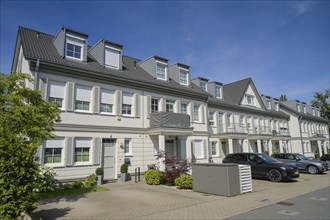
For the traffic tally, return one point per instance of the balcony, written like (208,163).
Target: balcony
(235,128)
(169,120)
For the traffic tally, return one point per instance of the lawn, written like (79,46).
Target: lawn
(68,192)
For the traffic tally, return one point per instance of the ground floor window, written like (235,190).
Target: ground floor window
(214,147)
(127,147)
(82,150)
(53,151)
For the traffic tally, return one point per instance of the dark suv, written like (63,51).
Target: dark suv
(263,166)
(326,158)
(303,163)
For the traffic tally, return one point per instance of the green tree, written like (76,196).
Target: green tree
(26,120)
(322,101)
(283,98)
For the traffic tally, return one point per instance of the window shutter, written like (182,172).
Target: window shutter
(96,150)
(148,107)
(216,119)
(205,150)
(202,113)
(137,105)
(96,99)
(190,111)
(43,87)
(69,96)
(118,102)
(69,151)
(162,104)
(40,154)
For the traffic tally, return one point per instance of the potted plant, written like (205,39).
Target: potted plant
(99,173)
(123,171)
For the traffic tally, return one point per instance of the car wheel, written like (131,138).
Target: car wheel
(274,175)
(313,169)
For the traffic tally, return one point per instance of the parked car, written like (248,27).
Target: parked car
(263,166)
(326,158)
(303,163)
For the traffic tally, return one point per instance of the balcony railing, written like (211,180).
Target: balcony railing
(169,120)
(256,130)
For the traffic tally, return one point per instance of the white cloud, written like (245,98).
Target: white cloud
(302,6)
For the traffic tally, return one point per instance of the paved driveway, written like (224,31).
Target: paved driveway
(140,201)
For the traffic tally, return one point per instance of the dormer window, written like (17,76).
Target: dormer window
(74,47)
(313,109)
(218,92)
(112,57)
(203,86)
(276,106)
(269,104)
(304,108)
(161,71)
(183,77)
(249,100)
(298,108)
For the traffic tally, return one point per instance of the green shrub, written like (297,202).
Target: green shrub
(46,179)
(90,181)
(184,182)
(154,177)
(99,171)
(124,168)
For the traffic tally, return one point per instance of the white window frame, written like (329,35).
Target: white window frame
(112,49)
(298,108)
(107,103)
(196,113)
(183,107)
(277,106)
(304,108)
(88,145)
(216,148)
(183,76)
(218,92)
(58,96)
(158,75)
(127,106)
(154,105)
(269,104)
(169,106)
(201,150)
(49,145)
(211,118)
(203,85)
(83,102)
(129,141)
(248,99)
(76,41)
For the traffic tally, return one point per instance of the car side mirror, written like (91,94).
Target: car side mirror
(297,159)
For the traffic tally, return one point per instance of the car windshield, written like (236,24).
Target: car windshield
(266,158)
(302,157)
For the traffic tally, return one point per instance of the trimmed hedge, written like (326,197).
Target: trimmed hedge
(184,182)
(154,177)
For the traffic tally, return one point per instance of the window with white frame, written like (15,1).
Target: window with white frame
(249,100)
(220,121)
(127,147)
(161,71)
(313,110)
(269,104)
(112,57)
(53,151)
(228,120)
(56,92)
(107,101)
(304,108)
(198,149)
(74,47)
(318,113)
(203,85)
(298,108)
(241,121)
(214,148)
(83,97)
(218,92)
(249,122)
(183,77)
(127,103)
(277,108)
(183,108)
(82,150)
(154,105)
(169,106)
(196,112)
(211,118)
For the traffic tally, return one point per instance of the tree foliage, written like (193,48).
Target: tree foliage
(283,98)
(26,120)
(322,101)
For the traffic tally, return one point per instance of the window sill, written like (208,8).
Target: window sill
(107,114)
(54,165)
(128,116)
(77,164)
(128,155)
(83,112)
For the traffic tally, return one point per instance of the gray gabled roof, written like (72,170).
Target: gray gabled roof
(38,46)
(233,92)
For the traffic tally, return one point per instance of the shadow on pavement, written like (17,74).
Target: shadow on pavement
(51,213)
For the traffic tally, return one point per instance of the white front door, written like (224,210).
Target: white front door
(109,162)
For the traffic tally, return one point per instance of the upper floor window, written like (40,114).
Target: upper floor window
(318,113)
(196,112)
(269,104)
(183,108)
(154,105)
(56,92)
(313,110)
(127,104)
(298,108)
(304,108)
(277,108)
(203,86)
(211,118)
(112,57)
(74,47)
(161,71)
(218,92)
(249,99)
(107,101)
(127,147)
(169,106)
(183,77)
(83,97)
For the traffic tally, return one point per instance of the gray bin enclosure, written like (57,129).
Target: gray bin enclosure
(218,179)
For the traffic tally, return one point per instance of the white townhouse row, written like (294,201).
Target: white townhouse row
(117,109)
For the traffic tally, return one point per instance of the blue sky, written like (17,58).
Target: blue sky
(282,45)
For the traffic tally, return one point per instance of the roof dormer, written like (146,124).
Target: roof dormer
(201,82)
(108,54)
(71,44)
(156,66)
(180,73)
(215,89)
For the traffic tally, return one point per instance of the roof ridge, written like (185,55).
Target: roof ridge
(21,27)
(249,78)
